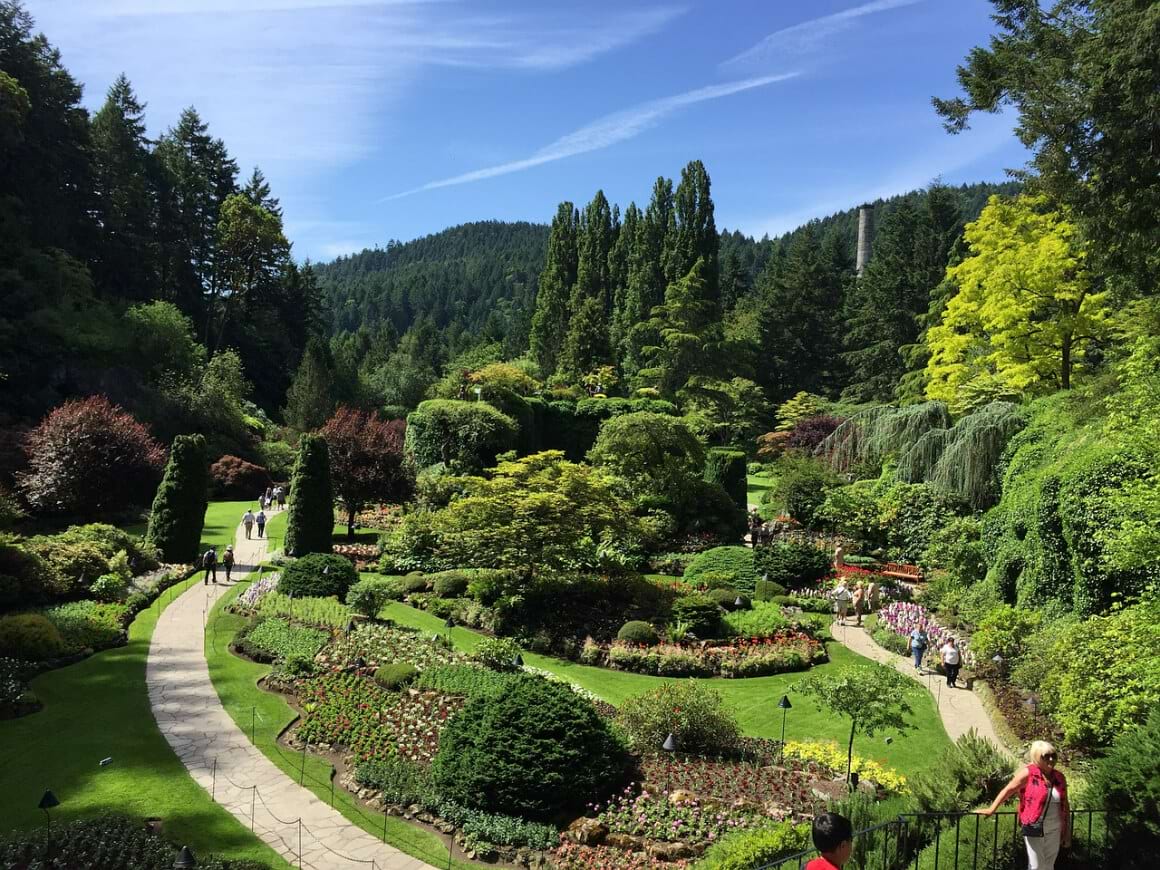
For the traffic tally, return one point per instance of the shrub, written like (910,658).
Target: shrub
(735,562)
(1004,631)
(395,676)
(487,585)
(767,590)
(71,566)
(699,612)
(233,478)
(399,780)
(801,486)
(969,773)
(178,514)
(1126,783)
(791,565)
(744,850)
(809,432)
(764,620)
(715,580)
(89,625)
(636,631)
(310,525)
(108,587)
(533,749)
(673,564)
(727,469)
(497,653)
(89,457)
(367,597)
(729,598)
(278,458)
(29,636)
(463,436)
(694,714)
(318,575)
(450,584)
(416,582)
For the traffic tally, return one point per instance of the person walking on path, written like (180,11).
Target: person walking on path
(841,597)
(228,561)
(919,641)
(261,520)
(1043,809)
(872,597)
(280,494)
(209,562)
(952,660)
(248,522)
(859,603)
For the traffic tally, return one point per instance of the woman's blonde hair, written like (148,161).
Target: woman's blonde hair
(1038,749)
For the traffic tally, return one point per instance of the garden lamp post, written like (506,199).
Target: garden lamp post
(738,602)
(518,661)
(349,626)
(449,624)
(785,706)
(479,394)
(670,744)
(47,802)
(998,660)
(185,859)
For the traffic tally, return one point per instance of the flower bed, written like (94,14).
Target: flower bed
(789,650)
(345,709)
(360,555)
(381,518)
(251,596)
(283,641)
(902,618)
(780,791)
(380,645)
(833,759)
(669,818)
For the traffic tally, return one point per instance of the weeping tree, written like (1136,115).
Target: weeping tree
(872,435)
(973,450)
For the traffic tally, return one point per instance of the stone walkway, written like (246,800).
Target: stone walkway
(303,829)
(960,709)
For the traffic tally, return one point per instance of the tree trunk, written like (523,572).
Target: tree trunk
(350,524)
(1065,363)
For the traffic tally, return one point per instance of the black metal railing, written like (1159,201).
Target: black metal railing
(959,841)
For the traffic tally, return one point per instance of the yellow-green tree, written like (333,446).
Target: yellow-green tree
(1025,312)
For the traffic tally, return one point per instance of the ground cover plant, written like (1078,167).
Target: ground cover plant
(782,651)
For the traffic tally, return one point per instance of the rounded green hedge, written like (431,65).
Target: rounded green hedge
(532,749)
(734,562)
(450,584)
(791,565)
(700,613)
(638,631)
(728,599)
(317,576)
(370,595)
(464,436)
(396,675)
(29,636)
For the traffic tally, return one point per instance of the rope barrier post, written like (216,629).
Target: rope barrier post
(302,772)
(300,843)
(451,849)
(253,804)
(385,814)
(213,782)
(333,773)
(253,725)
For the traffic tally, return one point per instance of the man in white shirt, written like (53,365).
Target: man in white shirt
(841,596)
(952,660)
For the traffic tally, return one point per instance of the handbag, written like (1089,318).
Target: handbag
(1035,829)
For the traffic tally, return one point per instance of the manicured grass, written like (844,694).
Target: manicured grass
(362,535)
(756,486)
(221,524)
(753,700)
(99,708)
(264,715)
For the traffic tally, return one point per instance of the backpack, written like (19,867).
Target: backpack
(209,558)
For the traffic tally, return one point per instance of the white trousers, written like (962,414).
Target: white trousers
(1042,851)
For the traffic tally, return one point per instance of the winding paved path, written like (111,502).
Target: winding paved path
(960,709)
(220,757)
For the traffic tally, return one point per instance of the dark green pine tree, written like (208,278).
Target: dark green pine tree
(908,262)
(694,236)
(310,399)
(586,344)
(257,191)
(550,318)
(689,335)
(310,524)
(178,514)
(799,328)
(619,271)
(646,276)
(126,264)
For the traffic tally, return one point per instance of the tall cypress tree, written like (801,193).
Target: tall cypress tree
(587,342)
(694,235)
(310,399)
(646,275)
(621,260)
(178,514)
(550,320)
(310,524)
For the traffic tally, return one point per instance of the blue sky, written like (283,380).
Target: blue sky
(383,119)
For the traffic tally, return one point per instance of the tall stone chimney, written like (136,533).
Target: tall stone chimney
(863,256)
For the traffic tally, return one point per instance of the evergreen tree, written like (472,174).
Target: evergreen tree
(586,344)
(689,336)
(126,262)
(550,320)
(310,524)
(646,275)
(621,266)
(178,514)
(694,234)
(257,191)
(310,399)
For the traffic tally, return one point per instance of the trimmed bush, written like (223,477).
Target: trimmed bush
(395,676)
(29,636)
(728,598)
(178,514)
(463,436)
(367,597)
(744,850)
(318,575)
(700,613)
(310,525)
(450,584)
(234,478)
(767,590)
(694,714)
(497,653)
(727,469)
(1126,783)
(533,749)
(733,562)
(791,565)
(88,624)
(108,588)
(88,457)
(637,631)
(413,583)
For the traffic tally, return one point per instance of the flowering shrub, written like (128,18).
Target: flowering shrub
(786,650)
(657,818)
(251,596)
(833,758)
(383,644)
(902,618)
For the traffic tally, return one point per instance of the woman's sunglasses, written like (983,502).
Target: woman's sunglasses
(1049,756)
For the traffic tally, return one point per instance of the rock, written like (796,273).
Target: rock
(680,797)
(868,786)
(776,811)
(424,817)
(830,791)
(746,805)
(624,842)
(445,827)
(588,832)
(670,851)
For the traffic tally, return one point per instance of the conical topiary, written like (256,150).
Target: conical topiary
(310,524)
(178,513)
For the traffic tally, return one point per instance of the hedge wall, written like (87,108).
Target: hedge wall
(464,436)
(727,468)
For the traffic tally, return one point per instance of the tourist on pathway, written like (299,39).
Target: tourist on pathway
(859,603)
(209,562)
(872,597)
(228,561)
(261,520)
(841,597)
(919,641)
(952,660)
(248,522)
(280,493)
(833,836)
(1043,809)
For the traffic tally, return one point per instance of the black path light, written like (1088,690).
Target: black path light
(518,661)
(47,802)
(670,744)
(185,859)
(738,602)
(785,706)
(449,624)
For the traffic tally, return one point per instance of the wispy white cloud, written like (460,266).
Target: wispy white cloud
(603,132)
(808,36)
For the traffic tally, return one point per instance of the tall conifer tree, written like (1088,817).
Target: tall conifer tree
(694,235)
(550,320)
(178,514)
(587,342)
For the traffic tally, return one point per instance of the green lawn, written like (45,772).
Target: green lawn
(221,524)
(96,709)
(264,716)
(756,486)
(753,700)
(362,535)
